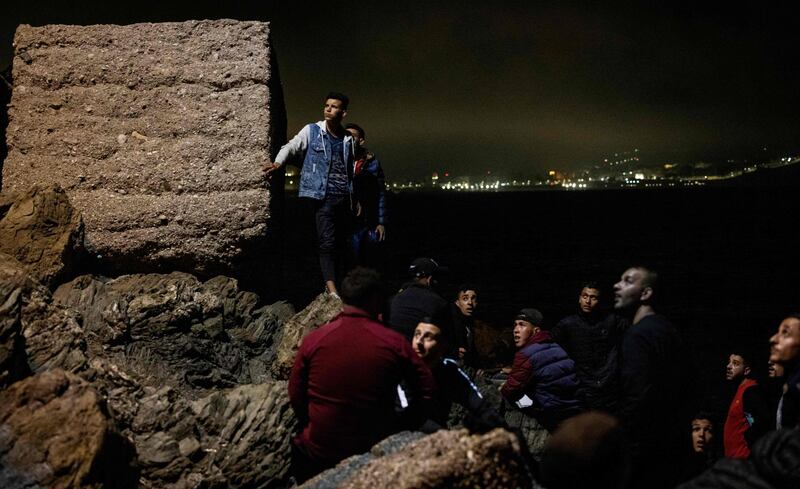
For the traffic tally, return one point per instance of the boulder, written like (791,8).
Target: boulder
(42,230)
(55,432)
(248,431)
(322,310)
(444,459)
(176,330)
(35,334)
(157,132)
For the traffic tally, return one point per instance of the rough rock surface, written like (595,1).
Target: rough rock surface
(157,132)
(55,432)
(42,230)
(444,459)
(324,308)
(175,330)
(35,334)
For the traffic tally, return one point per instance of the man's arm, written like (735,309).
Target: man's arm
(298,387)
(560,334)
(757,414)
(291,152)
(421,387)
(518,379)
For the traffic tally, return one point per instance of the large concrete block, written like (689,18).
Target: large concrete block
(156,131)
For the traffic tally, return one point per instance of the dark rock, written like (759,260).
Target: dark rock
(322,310)
(56,433)
(333,478)
(174,330)
(35,334)
(444,459)
(251,426)
(42,231)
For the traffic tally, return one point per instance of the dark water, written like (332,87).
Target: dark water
(727,257)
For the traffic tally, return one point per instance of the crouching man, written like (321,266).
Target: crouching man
(542,380)
(453,384)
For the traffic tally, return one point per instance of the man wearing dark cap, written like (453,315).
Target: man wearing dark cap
(418,300)
(542,373)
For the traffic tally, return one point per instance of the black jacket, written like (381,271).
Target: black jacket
(415,302)
(592,342)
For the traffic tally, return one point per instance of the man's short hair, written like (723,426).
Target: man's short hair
(747,354)
(590,284)
(465,287)
(344,99)
(357,128)
(361,286)
(649,277)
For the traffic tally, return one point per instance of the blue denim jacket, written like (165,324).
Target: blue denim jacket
(314,145)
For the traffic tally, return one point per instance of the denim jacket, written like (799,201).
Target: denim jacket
(313,144)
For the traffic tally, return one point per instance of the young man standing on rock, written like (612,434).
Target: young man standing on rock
(343,384)
(654,373)
(325,152)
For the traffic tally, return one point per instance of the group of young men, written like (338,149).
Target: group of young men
(374,370)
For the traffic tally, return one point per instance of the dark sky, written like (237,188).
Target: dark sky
(516,87)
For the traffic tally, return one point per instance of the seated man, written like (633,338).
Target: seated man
(463,310)
(703,453)
(542,375)
(419,299)
(453,385)
(344,380)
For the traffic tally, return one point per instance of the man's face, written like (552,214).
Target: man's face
(702,435)
(737,368)
(333,111)
(523,330)
(775,370)
(467,302)
(628,291)
(426,342)
(356,136)
(589,300)
(785,344)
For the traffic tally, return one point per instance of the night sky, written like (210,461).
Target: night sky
(518,87)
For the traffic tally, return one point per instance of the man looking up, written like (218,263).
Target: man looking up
(591,339)
(653,380)
(453,385)
(542,371)
(748,415)
(785,351)
(324,151)
(463,310)
(369,195)
(343,384)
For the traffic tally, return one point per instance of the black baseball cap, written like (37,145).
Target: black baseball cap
(531,315)
(424,267)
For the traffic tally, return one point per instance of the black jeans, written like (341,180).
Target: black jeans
(333,216)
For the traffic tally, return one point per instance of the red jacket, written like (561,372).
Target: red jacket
(344,382)
(737,424)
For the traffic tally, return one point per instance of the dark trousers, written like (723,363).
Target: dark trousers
(332,215)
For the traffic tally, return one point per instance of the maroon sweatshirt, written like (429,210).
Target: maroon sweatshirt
(343,385)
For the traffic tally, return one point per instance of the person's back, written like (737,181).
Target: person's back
(353,366)
(418,300)
(344,380)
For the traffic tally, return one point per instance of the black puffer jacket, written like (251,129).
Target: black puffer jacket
(774,464)
(592,341)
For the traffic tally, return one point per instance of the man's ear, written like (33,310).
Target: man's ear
(747,370)
(647,294)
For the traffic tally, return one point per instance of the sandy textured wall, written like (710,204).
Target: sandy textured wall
(156,131)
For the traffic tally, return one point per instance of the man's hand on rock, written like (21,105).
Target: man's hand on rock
(270,167)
